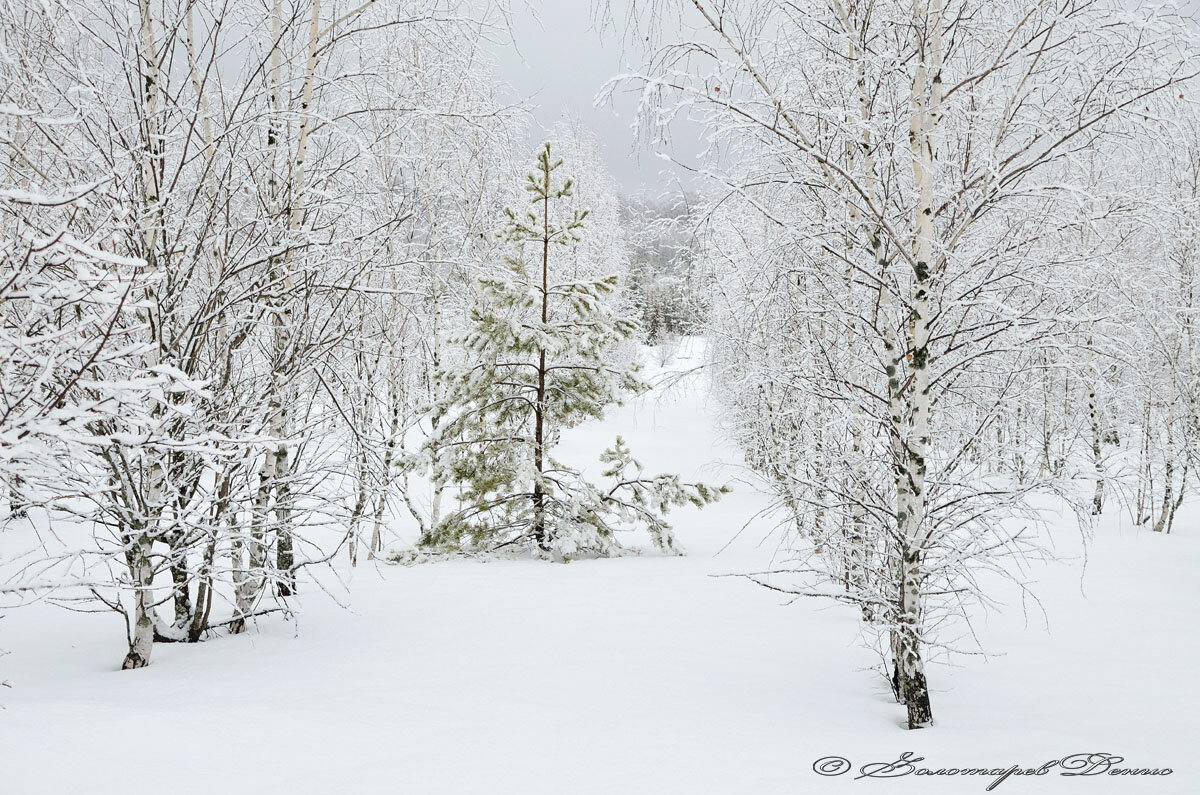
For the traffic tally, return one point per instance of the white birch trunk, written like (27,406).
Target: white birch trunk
(925,112)
(139,536)
(1094,422)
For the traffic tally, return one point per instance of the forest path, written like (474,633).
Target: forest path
(643,674)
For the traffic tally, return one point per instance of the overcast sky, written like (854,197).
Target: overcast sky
(562,63)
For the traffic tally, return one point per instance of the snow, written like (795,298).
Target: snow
(643,674)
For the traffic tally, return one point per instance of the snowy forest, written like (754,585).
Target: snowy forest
(361,431)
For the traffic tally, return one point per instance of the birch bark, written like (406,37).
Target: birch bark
(139,535)
(924,115)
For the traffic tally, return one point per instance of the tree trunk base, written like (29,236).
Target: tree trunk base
(916,700)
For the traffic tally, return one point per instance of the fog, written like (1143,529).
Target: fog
(561,60)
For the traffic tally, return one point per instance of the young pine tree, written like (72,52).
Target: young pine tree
(538,360)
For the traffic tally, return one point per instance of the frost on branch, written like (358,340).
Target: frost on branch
(635,499)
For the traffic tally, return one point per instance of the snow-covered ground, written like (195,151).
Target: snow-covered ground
(644,674)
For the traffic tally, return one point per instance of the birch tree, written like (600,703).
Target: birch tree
(903,160)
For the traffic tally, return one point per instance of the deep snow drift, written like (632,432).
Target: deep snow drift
(636,675)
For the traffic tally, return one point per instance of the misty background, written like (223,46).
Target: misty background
(559,59)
